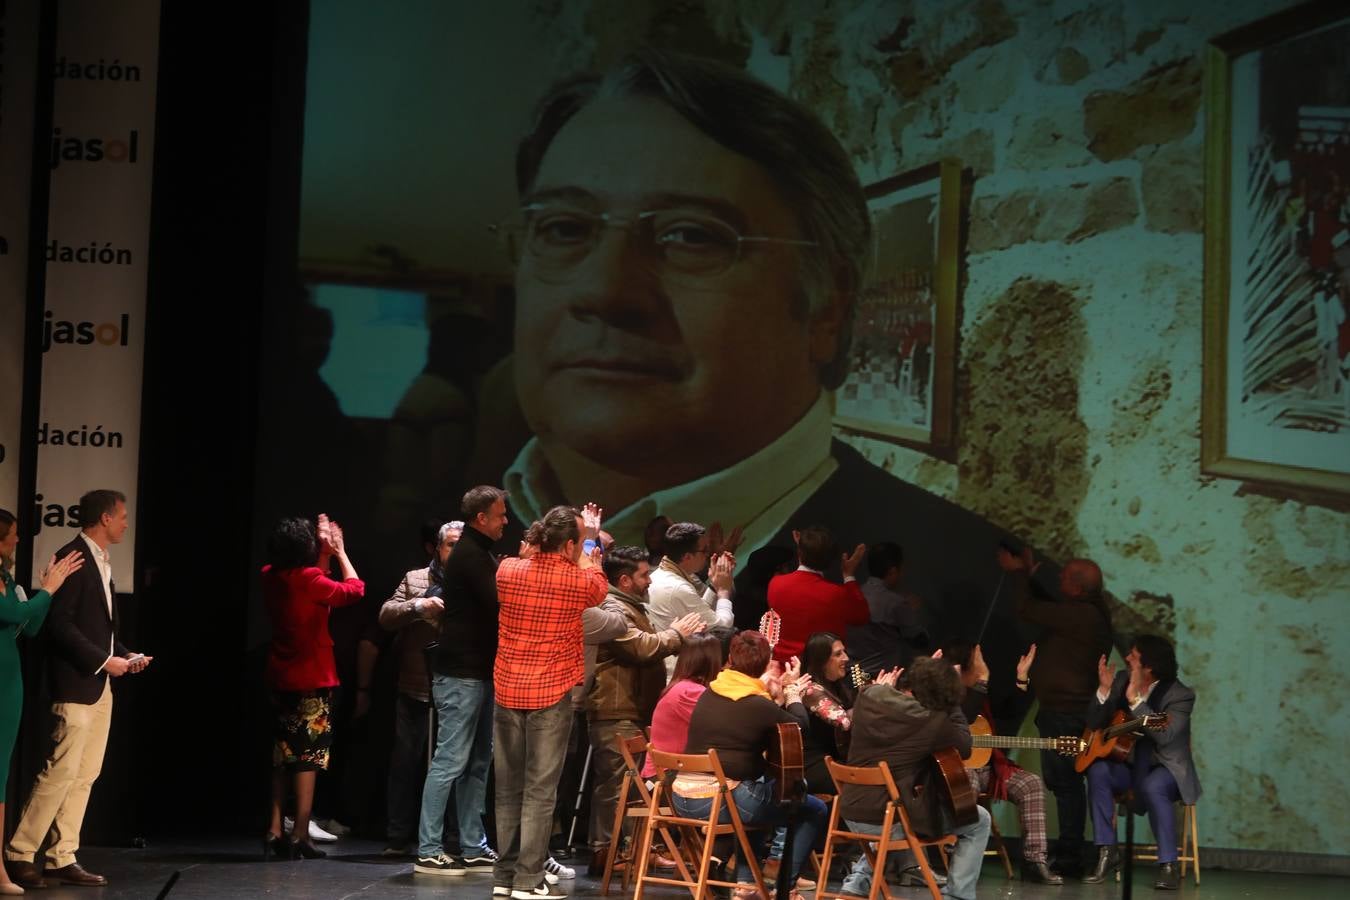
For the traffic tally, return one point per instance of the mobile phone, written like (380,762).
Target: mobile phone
(588,546)
(135,657)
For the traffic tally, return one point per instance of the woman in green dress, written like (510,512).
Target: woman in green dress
(19,613)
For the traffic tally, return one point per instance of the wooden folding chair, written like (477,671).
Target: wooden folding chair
(1187,853)
(630,748)
(707,830)
(875,776)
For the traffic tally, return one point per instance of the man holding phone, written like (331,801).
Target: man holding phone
(82,625)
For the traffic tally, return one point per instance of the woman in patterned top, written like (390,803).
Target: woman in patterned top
(829,699)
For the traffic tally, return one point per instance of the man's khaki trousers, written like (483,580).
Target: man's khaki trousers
(55,808)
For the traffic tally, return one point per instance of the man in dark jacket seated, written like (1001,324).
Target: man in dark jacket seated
(903,728)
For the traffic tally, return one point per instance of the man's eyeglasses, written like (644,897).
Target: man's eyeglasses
(688,245)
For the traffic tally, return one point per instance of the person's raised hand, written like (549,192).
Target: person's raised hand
(1024,663)
(1106,675)
(590,518)
(733,540)
(688,625)
(890,677)
(721,572)
(335,538)
(977,664)
(793,670)
(851,561)
(58,571)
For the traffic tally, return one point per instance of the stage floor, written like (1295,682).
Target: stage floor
(233,868)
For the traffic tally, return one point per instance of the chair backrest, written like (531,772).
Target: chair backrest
(864,776)
(691,763)
(630,747)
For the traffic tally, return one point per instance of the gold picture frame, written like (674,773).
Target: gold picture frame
(901,381)
(1276,386)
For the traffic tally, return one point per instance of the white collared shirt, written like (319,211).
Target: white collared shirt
(759,493)
(104,563)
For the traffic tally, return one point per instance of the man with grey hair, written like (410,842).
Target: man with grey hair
(415,618)
(688,251)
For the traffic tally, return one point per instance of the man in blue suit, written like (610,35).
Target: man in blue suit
(1160,769)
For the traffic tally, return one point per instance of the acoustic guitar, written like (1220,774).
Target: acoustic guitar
(787,763)
(1116,740)
(983,740)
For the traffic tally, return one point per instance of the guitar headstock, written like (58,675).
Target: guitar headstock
(858,676)
(771,626)
(1155,722)
(1069,745)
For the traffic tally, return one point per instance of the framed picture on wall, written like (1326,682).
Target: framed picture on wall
(1277,252)
(901,379)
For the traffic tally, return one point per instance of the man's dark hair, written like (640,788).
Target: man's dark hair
(293,544)
(806,162)
(7,521)
(883,557)
(621,561)
(559,526)
(534,535)
(724,634)
(1157,654)
(816,547)
(682,539)
(934,683)
(654,535)
(749,653)
(95,504)
(431,530)
(479,500)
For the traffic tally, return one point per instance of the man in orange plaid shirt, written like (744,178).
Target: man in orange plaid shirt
(539,659)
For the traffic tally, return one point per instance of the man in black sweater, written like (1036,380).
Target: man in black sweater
(461,690)
(1075,633)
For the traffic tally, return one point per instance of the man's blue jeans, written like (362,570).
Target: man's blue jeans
(754,801)
(461,759)
(963,865)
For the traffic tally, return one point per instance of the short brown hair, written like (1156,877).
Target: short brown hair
(479,500)
(749,653)
(816,547)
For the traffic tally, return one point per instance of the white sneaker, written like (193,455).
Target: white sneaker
(501,890)
(315,832)
(554,870)
(545,891)
(440,864)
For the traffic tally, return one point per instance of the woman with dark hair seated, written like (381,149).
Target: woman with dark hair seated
(829,698)
(738,716)
(301,672)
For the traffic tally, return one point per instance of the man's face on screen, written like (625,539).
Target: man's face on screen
(638,344)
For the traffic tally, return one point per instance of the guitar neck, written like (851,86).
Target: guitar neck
(1013,743)
(1124,727)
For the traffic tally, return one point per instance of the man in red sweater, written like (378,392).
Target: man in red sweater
(807,602)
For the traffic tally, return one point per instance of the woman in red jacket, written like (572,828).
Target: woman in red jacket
(301,671)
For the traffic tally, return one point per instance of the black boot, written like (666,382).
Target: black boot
(1039,873)
(1108,861)
(1168,879)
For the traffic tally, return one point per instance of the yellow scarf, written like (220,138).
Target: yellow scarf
(737,685)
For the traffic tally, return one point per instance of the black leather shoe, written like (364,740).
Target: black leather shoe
(1108,862)
(1168,878)
(1039,873)
(306,850)
(275,847)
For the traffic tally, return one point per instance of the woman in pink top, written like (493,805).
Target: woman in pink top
(699,662)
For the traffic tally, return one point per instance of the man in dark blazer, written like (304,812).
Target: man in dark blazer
(1160,769)
(85,652)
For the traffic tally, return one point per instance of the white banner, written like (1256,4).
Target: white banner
(98,236)
(18,80)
